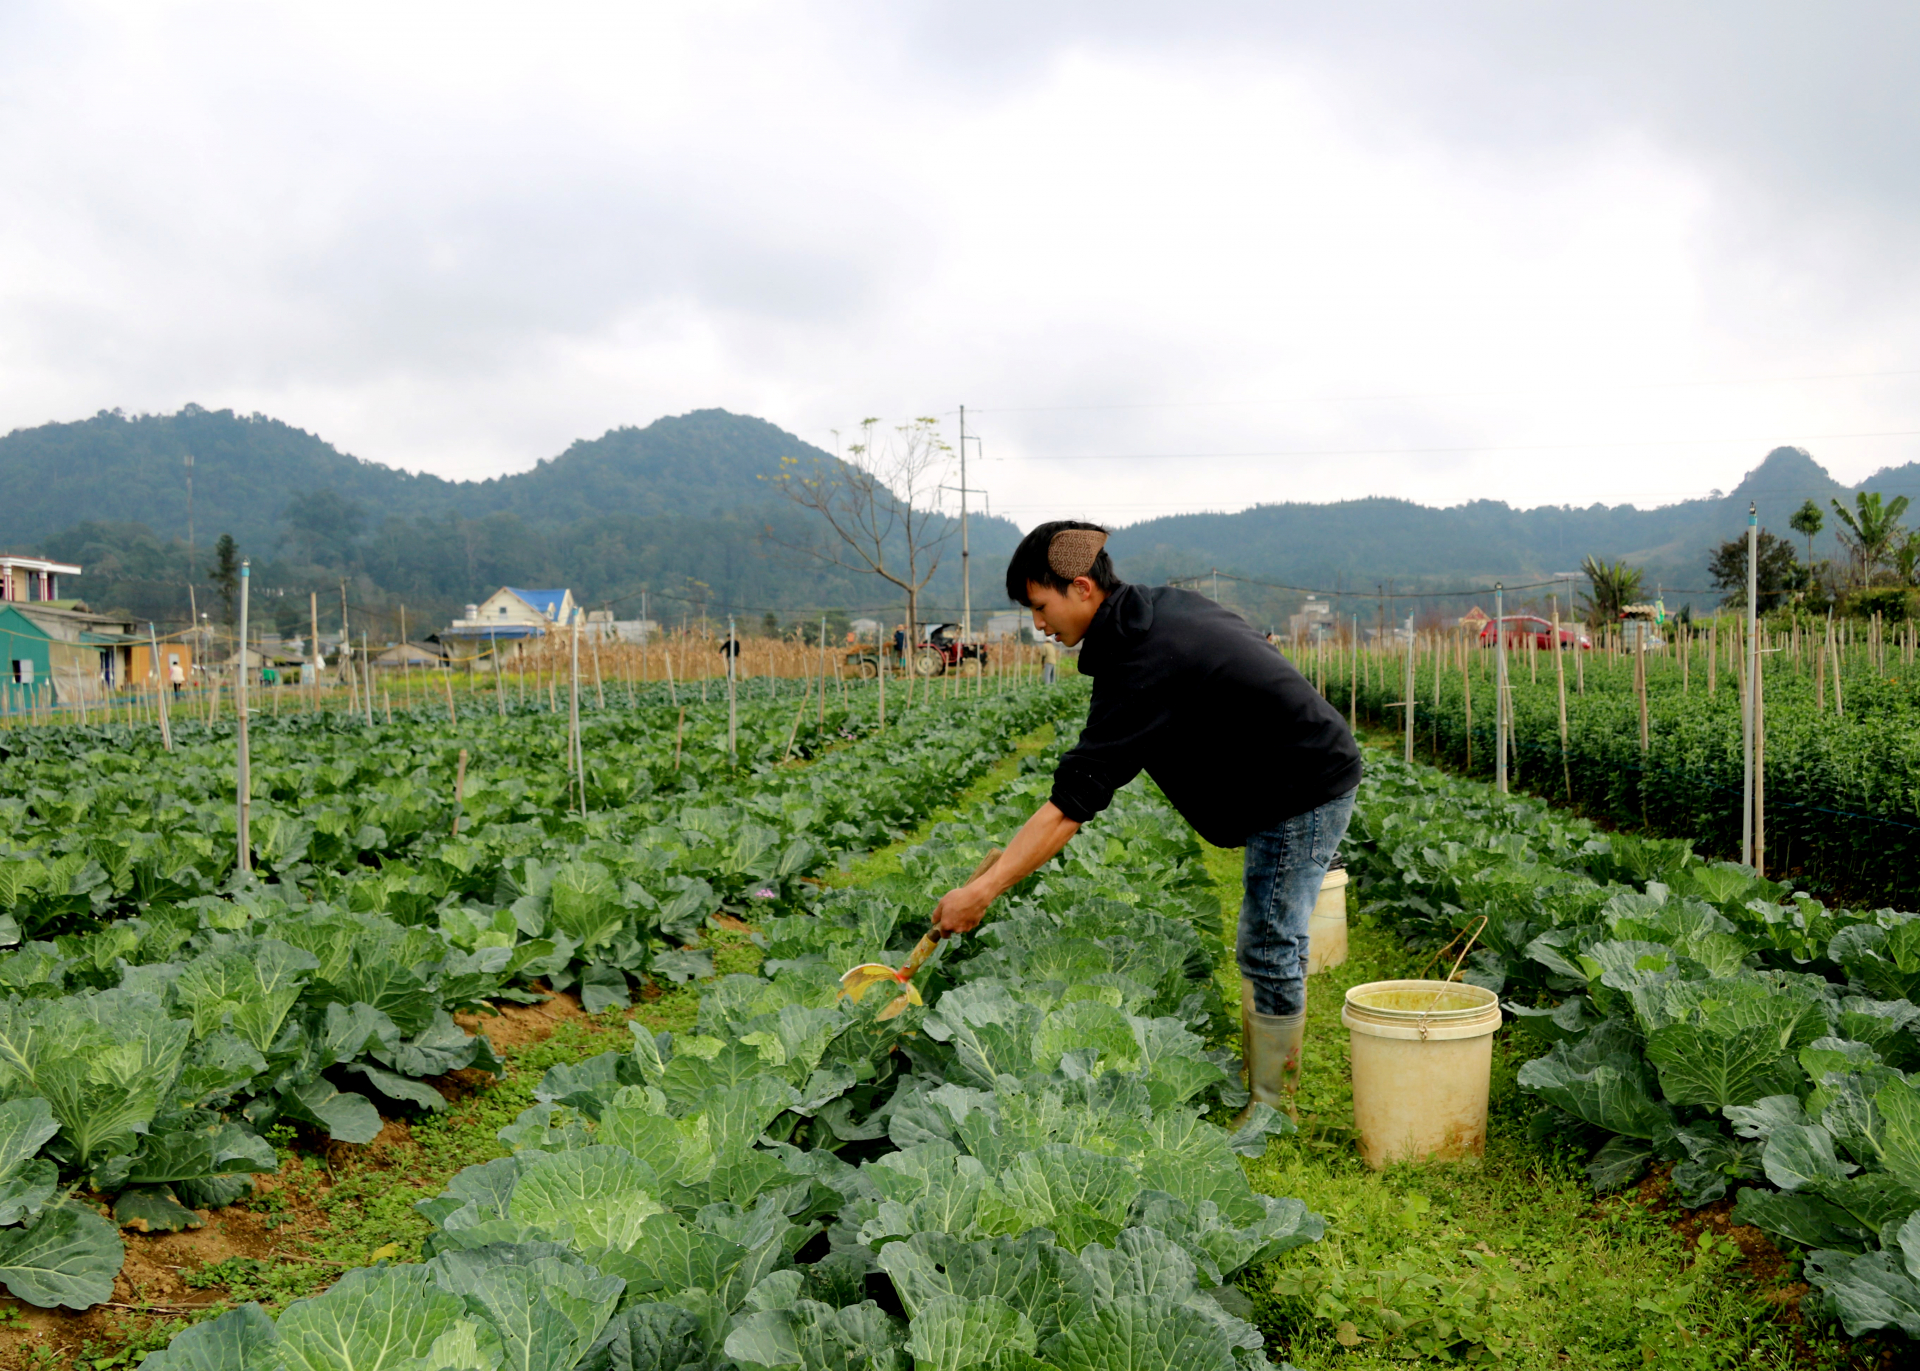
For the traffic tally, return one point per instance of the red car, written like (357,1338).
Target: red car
(1520,627)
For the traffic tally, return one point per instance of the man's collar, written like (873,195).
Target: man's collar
(1124,614)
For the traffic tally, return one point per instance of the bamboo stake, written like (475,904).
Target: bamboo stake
(576,757)
(1560,685)
(599,695)
(1409,700)
(1466,701)
(1834,655)
(673,693)
(1759,766)
(1640,685)
(1353,683)
(1437,673)
(446,679)
(793,734)
(459,790)
(243,779)
(678,729)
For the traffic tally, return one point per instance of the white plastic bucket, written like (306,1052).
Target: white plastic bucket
(1422,1059)
(1327,928)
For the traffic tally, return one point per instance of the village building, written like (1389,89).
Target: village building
(507,621)
(32,579)
(410,657)
(1314,622)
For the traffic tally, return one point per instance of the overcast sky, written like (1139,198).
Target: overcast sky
(1170,257)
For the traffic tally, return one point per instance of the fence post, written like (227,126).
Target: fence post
(1501,707)
(243,781)
(1752,660)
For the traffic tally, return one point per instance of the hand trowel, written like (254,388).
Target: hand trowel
(857,982)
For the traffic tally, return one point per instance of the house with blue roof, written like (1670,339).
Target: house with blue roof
(506,622)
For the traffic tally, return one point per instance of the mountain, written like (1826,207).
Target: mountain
(677,509)
(1369,548)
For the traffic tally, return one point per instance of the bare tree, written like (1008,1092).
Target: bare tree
(879,502)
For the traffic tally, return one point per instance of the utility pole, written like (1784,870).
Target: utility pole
(192,569)
(966,581)
(966,555)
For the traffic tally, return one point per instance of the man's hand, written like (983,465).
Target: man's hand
(960,910)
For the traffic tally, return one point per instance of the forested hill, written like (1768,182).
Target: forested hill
(1361,546)
(249,470)
(677,509)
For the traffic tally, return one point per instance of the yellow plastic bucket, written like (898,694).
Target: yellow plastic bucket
(1327,927)
(1422,1059)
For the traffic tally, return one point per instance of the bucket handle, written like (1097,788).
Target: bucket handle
(1454,971)
(1422,974)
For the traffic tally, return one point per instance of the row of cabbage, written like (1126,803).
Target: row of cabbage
(101,822)
(1688,1012)
(145,1058)
(1841,790)
(1030,1170)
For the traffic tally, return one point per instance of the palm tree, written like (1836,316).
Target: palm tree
(1870,530)
(1615,586)
(1807,521)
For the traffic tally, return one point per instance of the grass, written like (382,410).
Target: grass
(885,861)
(1506,1260)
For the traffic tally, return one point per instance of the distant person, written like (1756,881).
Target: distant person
(1049,659)
(177,676)
(900,641)
(730,649)
(1242,745)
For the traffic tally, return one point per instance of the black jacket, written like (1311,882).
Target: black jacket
(1189,692)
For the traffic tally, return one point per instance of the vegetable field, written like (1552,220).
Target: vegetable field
(728,1166)
(1841,740)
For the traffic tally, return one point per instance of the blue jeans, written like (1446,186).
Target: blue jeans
(1285,866)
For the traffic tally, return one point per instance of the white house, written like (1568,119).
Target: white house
(508,619)
(32,578)
(1314,622)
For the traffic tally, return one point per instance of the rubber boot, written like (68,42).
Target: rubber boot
(1271,1044)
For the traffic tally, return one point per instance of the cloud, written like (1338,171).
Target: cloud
(1171,258)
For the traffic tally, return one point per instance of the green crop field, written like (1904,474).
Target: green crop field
(248,1121)
(1842,766)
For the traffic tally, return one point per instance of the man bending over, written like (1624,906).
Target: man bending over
(1248,752)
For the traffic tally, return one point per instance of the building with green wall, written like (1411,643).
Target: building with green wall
(26,662)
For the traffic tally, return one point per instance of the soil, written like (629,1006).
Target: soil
(516,1025)
(152,1282)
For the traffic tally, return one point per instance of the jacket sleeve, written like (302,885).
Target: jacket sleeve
(1112,750)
